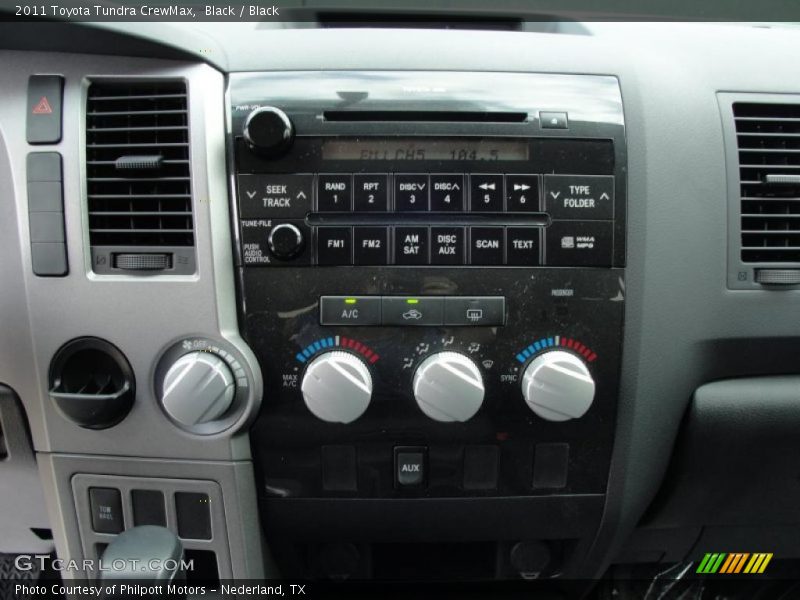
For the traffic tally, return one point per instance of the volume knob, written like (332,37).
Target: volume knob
(448,387)
(268,131)
(337,387)
(199,387)
(557,386)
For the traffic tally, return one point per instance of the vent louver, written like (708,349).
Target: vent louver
(768,137)
(137,168)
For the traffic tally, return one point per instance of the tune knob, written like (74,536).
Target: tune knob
(268,131)
(337,387)
(285,240)
(448,387)
(199,387)
(557,386)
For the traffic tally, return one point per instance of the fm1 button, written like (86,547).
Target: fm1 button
(583,197)
(334,246)
(409,467)
(350,310)
(447,245)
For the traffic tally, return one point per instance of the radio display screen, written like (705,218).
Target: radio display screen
(420,148)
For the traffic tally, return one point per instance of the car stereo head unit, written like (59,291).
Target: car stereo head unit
(431,273)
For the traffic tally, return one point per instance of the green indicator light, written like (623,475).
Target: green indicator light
(350,300)
(412,301)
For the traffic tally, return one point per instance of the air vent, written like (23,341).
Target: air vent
(138,174)
(768,137)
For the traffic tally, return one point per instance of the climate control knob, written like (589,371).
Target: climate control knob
(199,387)
(337,387)
(448,387)
(557,386)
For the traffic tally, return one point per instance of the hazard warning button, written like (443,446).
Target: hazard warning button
(44,109)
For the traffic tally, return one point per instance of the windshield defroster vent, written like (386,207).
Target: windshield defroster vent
(138,177)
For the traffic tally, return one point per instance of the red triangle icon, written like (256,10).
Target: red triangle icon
(43,107)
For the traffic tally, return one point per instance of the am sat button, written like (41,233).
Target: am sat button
(476,311)
(412,310)
(350,310)
(584,197)
(579,243)
(411,245)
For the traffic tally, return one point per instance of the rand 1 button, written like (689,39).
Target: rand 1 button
(583,197)
(486,245)
(475,311)
(447,193)
(370,193)
(275,196)
(447,245)
(350,310)
(522,193)
(411,192)
(486,193)
(334,193)
(370,245)
(579,243)
(523,245)
(412,310)
(411,245)
(334,246)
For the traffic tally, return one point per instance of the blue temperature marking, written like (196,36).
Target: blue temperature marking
(316,346)
(520,358)
(331,343)
(550,342)
(307,352)
(300,357)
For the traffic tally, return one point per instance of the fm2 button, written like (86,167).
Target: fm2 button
(409,467)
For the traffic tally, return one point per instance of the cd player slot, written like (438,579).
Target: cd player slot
(430,116)
(527,220)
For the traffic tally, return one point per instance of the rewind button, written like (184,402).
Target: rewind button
(486,193)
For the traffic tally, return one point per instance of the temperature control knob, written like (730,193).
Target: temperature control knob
(268,131)
(199,387)
(448,387)
(337,387)
(557,386)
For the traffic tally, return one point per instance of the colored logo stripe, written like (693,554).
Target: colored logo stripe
(711,562)
(721,562)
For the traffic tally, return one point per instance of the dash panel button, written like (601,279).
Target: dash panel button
(413,311)
(489,311)
(350,310)
(44,109)
(106,507)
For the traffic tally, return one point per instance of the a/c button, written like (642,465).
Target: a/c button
(350,310)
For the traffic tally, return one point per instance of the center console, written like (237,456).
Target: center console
(431,274)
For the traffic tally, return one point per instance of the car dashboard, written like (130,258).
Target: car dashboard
(391,303)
